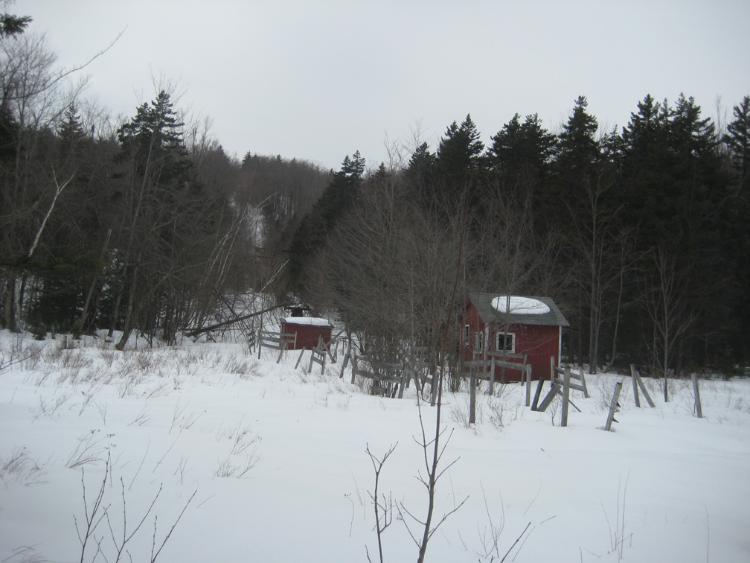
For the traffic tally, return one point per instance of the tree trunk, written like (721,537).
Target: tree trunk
(11,312)
(617,320)
(80,326)
(127,328)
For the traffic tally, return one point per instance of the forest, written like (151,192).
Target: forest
(145,225)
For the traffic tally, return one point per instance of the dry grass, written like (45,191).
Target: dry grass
(21,467)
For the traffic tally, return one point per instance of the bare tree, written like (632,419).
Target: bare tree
(596,238)
(433,447)
(382,505)
(665,300)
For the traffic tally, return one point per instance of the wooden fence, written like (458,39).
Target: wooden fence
(563,381)
(281,341)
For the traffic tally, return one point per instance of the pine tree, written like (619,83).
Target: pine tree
(70,132)
(168,219)
(420,176)
(578,147)
(335,201)
(737,251)
(737,139)
(11,25)
(459,150)
(154,137)
(521,152)
(459,164)
(647,160)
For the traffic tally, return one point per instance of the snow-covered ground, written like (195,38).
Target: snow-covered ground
(278,461)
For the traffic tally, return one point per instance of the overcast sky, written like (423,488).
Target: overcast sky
(317,80)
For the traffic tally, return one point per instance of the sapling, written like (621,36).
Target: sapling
(382,505)
(433,451)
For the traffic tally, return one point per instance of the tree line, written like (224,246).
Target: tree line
(145,224)
(640,234)
(141,225)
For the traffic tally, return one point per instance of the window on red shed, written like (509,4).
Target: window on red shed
(505,342)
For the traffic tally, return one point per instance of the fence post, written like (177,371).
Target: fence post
(343,364)
(527,373)
(537,394)
(472,396)
(299,358)
(613,406)
(492,375)
(554,390)
(551,368)
(642,386)
(697,393)
(635,386)
(566,398)
(585,387)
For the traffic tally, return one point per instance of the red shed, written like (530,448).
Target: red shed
(308,330)
(513,324)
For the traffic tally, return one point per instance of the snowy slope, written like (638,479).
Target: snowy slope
(277,459)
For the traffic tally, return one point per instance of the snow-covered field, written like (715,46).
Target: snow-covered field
(278,461)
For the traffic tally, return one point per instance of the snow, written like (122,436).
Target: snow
(519,305)
(277,458)
(309,321)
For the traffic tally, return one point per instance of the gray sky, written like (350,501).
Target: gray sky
(317,80)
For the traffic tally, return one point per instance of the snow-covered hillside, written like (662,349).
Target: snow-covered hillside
(277,461)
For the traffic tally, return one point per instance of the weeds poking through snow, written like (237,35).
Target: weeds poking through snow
(181,467)
(183,420)
(617,535)
(140,420)
(24,554)
(460,415)
(497,412)
(88,396)
(235,365)
(242,456)
(107,356)
(489,535)
(22,468)
(88,450)
(97,512)
(49,408)
(52,355)
(144,360)
(229,468)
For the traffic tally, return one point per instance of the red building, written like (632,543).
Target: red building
(513,325)
(308,330)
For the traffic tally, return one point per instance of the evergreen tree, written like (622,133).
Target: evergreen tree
(154,138)
(169,221)
(335,201)
(737,240)
(578,147)
(420,176)
(11,25)
(737,139)
(647,159)
(70,132)
(459,165)
(521,152)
